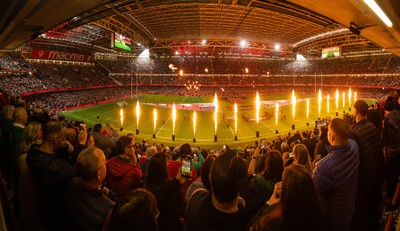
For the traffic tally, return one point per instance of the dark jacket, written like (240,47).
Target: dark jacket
(335,178)
(391,133)
(371,162)
(51,175)
(87,207)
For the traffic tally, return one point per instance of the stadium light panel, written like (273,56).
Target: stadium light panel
(379,12)
(204,42)
(145,54)
(243,43)
(277,47)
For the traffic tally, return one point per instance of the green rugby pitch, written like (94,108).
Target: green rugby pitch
(246,132)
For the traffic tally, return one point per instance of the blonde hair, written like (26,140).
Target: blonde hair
(29,136)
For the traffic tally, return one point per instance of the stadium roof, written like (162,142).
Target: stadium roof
(298,26)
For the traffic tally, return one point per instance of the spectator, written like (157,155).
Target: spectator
(123,171)
(135,211)
(203,181)
(335,176)
(150,151)
(223,205)
(294,204)
(51,174)
(175,165)
(264,182)
(368,195)
(391,137)
(167,192)
(86,200)
(104,140)
(301,157)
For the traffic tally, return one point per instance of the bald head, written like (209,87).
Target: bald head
(20,116)
(89,162)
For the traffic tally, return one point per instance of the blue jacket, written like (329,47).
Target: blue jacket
(336,178)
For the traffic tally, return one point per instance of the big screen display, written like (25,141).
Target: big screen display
(331,52)
(120,41)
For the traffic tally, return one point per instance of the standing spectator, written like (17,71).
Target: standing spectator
(301,157)
(222,208)
(167,192)
(85,199)
(135,211)
(391,137)
(103,139)
(150,151)
(294,204)
(335,176)
(7,149)
(51,174)
(175,165)
(123,171)
(368,195)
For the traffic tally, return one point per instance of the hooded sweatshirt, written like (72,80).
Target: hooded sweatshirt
(122,176)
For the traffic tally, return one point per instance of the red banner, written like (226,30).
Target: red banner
(61,55)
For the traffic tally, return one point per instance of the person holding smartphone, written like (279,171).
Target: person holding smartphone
(175,165)
(167,191)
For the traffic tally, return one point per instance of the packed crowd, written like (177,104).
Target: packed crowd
(67,176)
(15,62)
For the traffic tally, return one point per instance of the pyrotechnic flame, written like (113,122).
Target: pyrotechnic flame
(308,107)
(173,118)
(276,113)
(137,113)
(121,117)
(257,107)
(194,123)
(337,99)
(215,113)
(319,101)
(235,110)
(155,119)
(350,95)
(293,103)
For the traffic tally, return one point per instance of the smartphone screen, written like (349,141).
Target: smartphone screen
(262,143)
(185,167)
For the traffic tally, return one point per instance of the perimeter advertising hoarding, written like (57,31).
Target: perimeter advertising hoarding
(121,42)
(61,55)
(331,52)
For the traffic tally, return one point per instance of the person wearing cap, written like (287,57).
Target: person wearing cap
(366,213)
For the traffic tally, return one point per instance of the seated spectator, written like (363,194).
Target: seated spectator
(123,171)
(220,209)
(51,174)
(135,211)
(167,192)
(85,199)
(104,140)
(294,204)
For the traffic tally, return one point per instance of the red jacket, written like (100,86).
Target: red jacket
(173,168)
(122,176)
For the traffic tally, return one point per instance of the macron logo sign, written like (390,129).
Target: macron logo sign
(60,55)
